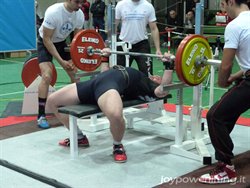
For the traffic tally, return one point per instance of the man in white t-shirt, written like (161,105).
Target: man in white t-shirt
(134,16)
(222,116)
(59,21)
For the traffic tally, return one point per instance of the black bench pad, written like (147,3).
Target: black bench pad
(81,110)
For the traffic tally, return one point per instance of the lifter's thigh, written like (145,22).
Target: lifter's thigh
(64,96)
(111,104)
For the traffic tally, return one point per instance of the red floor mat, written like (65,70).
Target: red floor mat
(169,107)
(12,120)
(186,110)
(15,120)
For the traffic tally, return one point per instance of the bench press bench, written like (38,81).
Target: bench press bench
(86,110)
(181,146)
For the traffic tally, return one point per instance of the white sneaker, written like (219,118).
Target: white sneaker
(223,173)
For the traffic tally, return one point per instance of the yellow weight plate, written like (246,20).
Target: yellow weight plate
(190,48)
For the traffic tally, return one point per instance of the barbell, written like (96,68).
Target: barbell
(192,60)
(91,51)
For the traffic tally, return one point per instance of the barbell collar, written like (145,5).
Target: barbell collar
(214,62)
(204,61)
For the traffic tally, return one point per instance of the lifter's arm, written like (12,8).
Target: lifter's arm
(167,75)
(166,79)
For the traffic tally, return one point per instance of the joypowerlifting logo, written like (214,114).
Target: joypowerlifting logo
(194,180)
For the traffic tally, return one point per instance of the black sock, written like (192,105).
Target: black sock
(41,106)
(228,162)
(117,145)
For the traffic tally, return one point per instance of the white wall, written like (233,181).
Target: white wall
(43,5)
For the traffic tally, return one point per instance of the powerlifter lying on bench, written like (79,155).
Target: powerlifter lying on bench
(107,90)
(87,110)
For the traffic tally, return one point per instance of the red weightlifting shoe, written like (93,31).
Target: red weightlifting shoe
(82,142)
(119,154)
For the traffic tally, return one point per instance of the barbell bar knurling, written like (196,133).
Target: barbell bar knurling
(200,60)
(91,51)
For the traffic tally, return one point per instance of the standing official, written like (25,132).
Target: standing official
(134,16)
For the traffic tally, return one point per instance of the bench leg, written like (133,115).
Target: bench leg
(73,137)
(130,123)
(183,148)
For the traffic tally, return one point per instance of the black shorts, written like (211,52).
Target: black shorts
(90,91)
(126,85)
(45,56)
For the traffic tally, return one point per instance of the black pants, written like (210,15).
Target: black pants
(98,22)
(144,63)
(222,116)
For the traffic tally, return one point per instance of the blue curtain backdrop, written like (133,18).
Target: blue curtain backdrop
(17,25)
